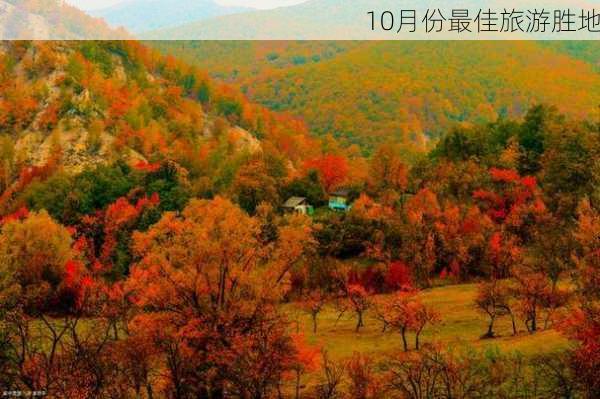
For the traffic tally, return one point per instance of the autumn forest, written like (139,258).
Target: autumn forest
(173,226)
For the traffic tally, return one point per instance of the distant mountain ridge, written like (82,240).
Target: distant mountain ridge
(349,20)
(49,20)
(146,15)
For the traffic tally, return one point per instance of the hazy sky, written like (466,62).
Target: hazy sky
(264,4)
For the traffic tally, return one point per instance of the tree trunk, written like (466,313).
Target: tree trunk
(149,391)
(222,283)
(403,333)
(384,328)
(359,324)
(547,319)
(217,392)
(490,331)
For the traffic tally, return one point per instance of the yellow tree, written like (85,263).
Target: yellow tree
(33,255)
(39,284)
(388,174)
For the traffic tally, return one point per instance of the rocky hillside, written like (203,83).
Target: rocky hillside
(68,106)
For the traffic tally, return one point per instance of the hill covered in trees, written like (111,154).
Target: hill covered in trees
(72,106)
(368,92)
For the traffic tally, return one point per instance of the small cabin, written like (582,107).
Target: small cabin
(298,204)
(338,200)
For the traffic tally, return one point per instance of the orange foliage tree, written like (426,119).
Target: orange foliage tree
(404,312)
(210,286)
(333,170)
(583,323)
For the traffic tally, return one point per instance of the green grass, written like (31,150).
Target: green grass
(461,324)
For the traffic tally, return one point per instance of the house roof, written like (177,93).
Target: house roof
(341,192)
(293,202)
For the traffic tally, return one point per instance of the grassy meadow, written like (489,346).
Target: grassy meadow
(461,325)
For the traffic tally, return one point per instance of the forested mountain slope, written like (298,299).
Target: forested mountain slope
(68,107)
(367,92)
(588,51)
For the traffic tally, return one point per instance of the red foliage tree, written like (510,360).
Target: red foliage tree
(333,170)
(582,324)
(514,198)
(398,277)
